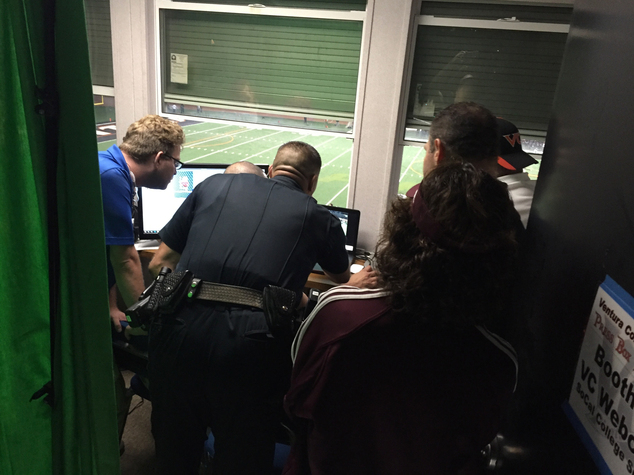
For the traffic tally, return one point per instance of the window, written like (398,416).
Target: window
(100,50)
(249,79)
(505,57)
(320,4)
(99,41)
(288,71)
(105,119)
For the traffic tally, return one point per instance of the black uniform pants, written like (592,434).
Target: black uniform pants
(214,366)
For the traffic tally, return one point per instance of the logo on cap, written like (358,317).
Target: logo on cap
(513,139)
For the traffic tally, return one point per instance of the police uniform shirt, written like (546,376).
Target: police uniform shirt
(251,231)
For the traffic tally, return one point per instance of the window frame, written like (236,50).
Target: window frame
(159,5)
(431,20)
(103,90)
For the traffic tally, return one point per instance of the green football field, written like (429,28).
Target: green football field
(222,143)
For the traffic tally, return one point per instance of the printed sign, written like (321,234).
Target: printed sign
(601,402)
(178,68)
(183,183)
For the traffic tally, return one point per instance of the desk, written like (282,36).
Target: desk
(319,281)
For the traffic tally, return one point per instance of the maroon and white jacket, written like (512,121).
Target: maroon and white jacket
(368,397)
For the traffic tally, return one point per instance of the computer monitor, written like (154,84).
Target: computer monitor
(156,207)
(350,224)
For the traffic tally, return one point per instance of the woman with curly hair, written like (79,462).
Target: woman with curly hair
(406,378)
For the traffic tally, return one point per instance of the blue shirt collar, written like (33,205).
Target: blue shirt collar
(115,154)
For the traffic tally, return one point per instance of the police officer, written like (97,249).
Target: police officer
(216,364)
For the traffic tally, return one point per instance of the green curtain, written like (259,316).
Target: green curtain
(85,427)
(25,428)
(79,434)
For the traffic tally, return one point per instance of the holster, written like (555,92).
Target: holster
(280,307)
(174,288)
(163,296)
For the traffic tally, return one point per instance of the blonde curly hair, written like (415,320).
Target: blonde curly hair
(150,135)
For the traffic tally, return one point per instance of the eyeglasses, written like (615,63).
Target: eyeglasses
(177,163)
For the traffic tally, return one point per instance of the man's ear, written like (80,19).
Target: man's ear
(157,159)
(439,151)
(312,185)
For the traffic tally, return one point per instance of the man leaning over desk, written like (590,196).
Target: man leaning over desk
(214,364)
(148,156)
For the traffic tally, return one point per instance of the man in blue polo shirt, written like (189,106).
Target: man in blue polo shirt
(148,156)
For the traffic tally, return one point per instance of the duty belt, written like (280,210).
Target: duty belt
(225,293)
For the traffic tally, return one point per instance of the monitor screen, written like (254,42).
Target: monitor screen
(156,207)
(349,223)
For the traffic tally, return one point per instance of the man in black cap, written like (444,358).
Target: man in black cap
(511,162)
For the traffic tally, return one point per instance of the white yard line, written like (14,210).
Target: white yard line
(216,138)
(413,160)
(342,190)
(234,146)
(207,130)
(264,151)
(298,138)
(338,156)
(327,141)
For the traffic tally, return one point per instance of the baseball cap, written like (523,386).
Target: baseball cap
(512,157)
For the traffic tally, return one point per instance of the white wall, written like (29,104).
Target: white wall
(379,117)
(133,61)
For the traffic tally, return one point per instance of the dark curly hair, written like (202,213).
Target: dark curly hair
(458,276)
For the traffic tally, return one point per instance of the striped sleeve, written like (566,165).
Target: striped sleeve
(504,346)
(342,292)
